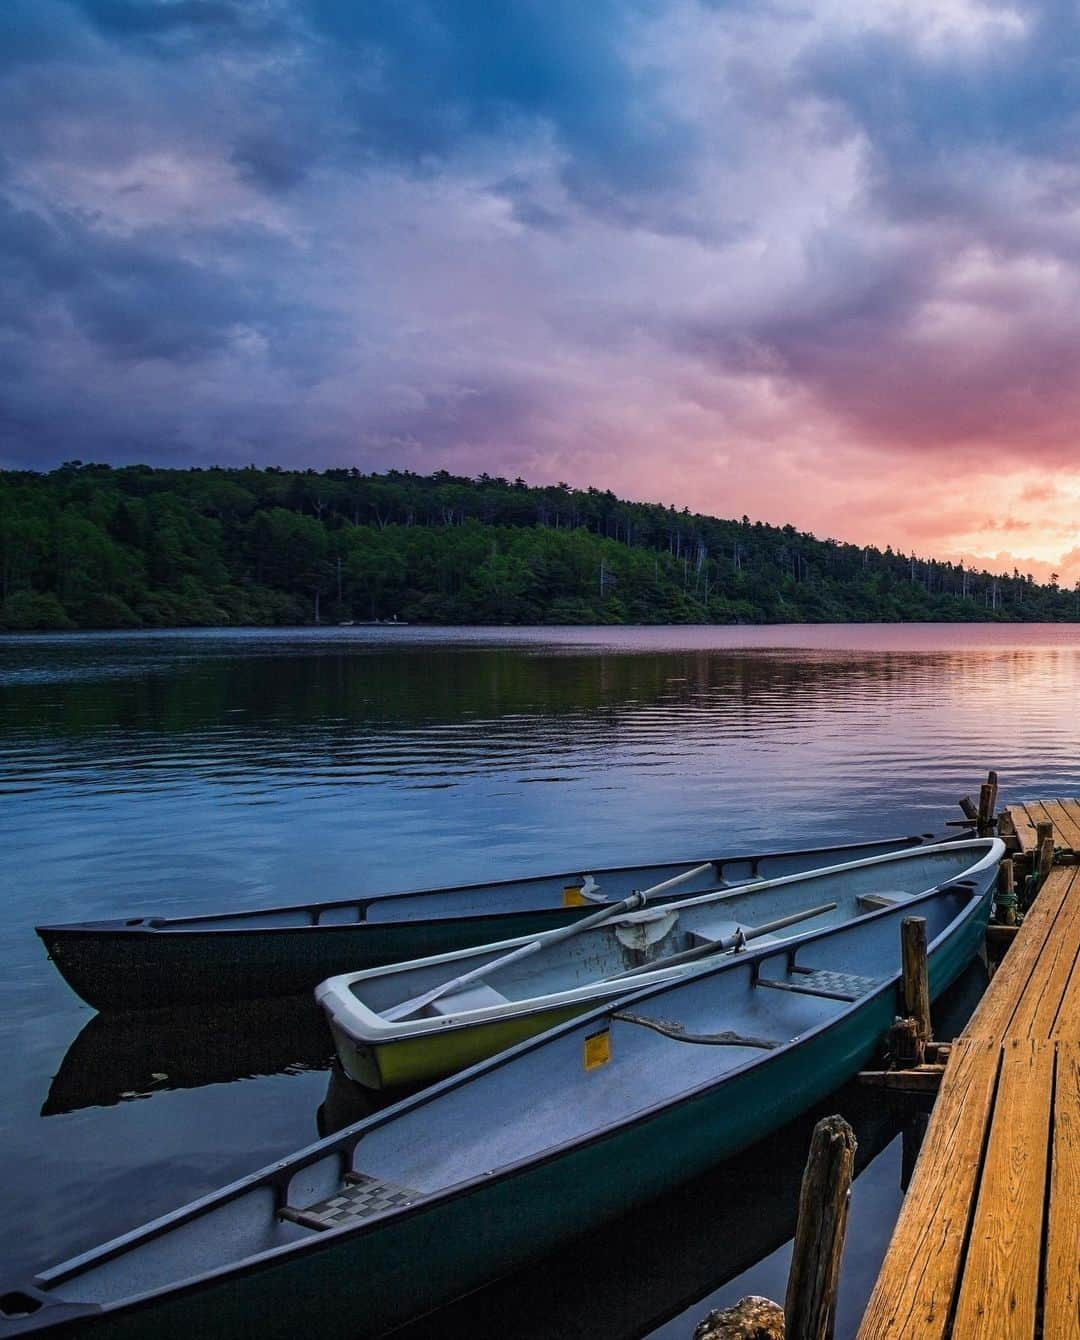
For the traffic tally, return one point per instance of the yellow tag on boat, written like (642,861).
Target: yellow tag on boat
(572,896)
(597,1049)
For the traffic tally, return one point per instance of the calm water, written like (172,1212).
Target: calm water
(172,773)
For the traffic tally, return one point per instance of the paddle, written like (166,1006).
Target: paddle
(728,942)
(407,1007)
(631,904)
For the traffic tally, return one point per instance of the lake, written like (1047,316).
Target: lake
(178,772)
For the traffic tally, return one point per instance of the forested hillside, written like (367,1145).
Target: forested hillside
(88,546)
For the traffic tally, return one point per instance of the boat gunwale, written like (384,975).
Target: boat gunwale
(119,925)
(336,991)
(347,1141)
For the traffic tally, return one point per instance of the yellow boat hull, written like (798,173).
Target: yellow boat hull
(430,1056)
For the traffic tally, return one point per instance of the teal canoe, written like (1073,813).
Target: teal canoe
(428,1199)
(145,962)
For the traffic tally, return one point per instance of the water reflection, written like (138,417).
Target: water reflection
(120,1057)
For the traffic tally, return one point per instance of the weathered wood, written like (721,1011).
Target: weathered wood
(916,982)
(1061,1303)
(999,1292)
(913,1295)
(999,1003)
(971,810)
(1040,1000)
(905,1043)
(810,1305)
(751,1318)
(917,1079)
(1066,827)
(986,1242)
(987,804)
(1044,833)
(1022,827)
(1006,892)
(1000,937)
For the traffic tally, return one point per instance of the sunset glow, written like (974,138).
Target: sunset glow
(817,264)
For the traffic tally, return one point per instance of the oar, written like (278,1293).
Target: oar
(728,942)
(407,1007)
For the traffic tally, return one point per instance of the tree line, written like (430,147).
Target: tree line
(91,546)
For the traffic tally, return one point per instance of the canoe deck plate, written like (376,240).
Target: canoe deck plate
(842,983)
(364,1197)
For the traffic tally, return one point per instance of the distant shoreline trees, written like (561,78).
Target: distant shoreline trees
(89,546)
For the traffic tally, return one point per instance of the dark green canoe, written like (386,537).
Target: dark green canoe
(141,962)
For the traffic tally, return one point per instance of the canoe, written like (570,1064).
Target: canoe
(498,1005)
(431,1197)
(142,962)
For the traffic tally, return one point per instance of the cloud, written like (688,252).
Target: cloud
(814,263)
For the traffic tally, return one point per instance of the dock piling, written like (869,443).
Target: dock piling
(1006,893)
(988,794)
(916,982)
(810,1305)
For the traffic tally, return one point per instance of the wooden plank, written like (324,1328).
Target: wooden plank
(1061,1298)
(999,1292)
(1000,1000)
(1038,814)
(1025,829)
(912,1299)
(1066,1027)
(1066,821)
(1040,1001)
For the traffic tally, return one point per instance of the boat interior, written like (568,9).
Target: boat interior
(656,937)
(582,889)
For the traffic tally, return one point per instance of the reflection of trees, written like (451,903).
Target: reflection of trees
(346,701)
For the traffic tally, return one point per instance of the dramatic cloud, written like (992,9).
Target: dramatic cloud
(820,263)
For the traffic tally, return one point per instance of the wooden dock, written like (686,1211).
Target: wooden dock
(988,1239)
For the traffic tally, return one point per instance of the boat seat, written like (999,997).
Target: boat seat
(708,930)
(874,902)
(477,996)
(362,1197)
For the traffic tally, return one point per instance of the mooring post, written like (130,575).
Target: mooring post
(915,976)
(968,806)
(1006,893)
(988,793)
(1044,839)
(810,1306)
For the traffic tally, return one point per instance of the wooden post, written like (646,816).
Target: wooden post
(1044,839)
(810,1306)
(1006,894)
(915,978)
(987,804)
(968,806)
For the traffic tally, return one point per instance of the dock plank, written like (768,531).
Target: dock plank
(913,1299)
(1024,828)
(1066,816)
(1061,1306)
(1039,814)
(1000,1001)
(1041,999)
(999,1291)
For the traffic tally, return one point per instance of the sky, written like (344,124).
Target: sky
(816,262)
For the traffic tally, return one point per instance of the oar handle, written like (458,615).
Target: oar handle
(408,1007)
